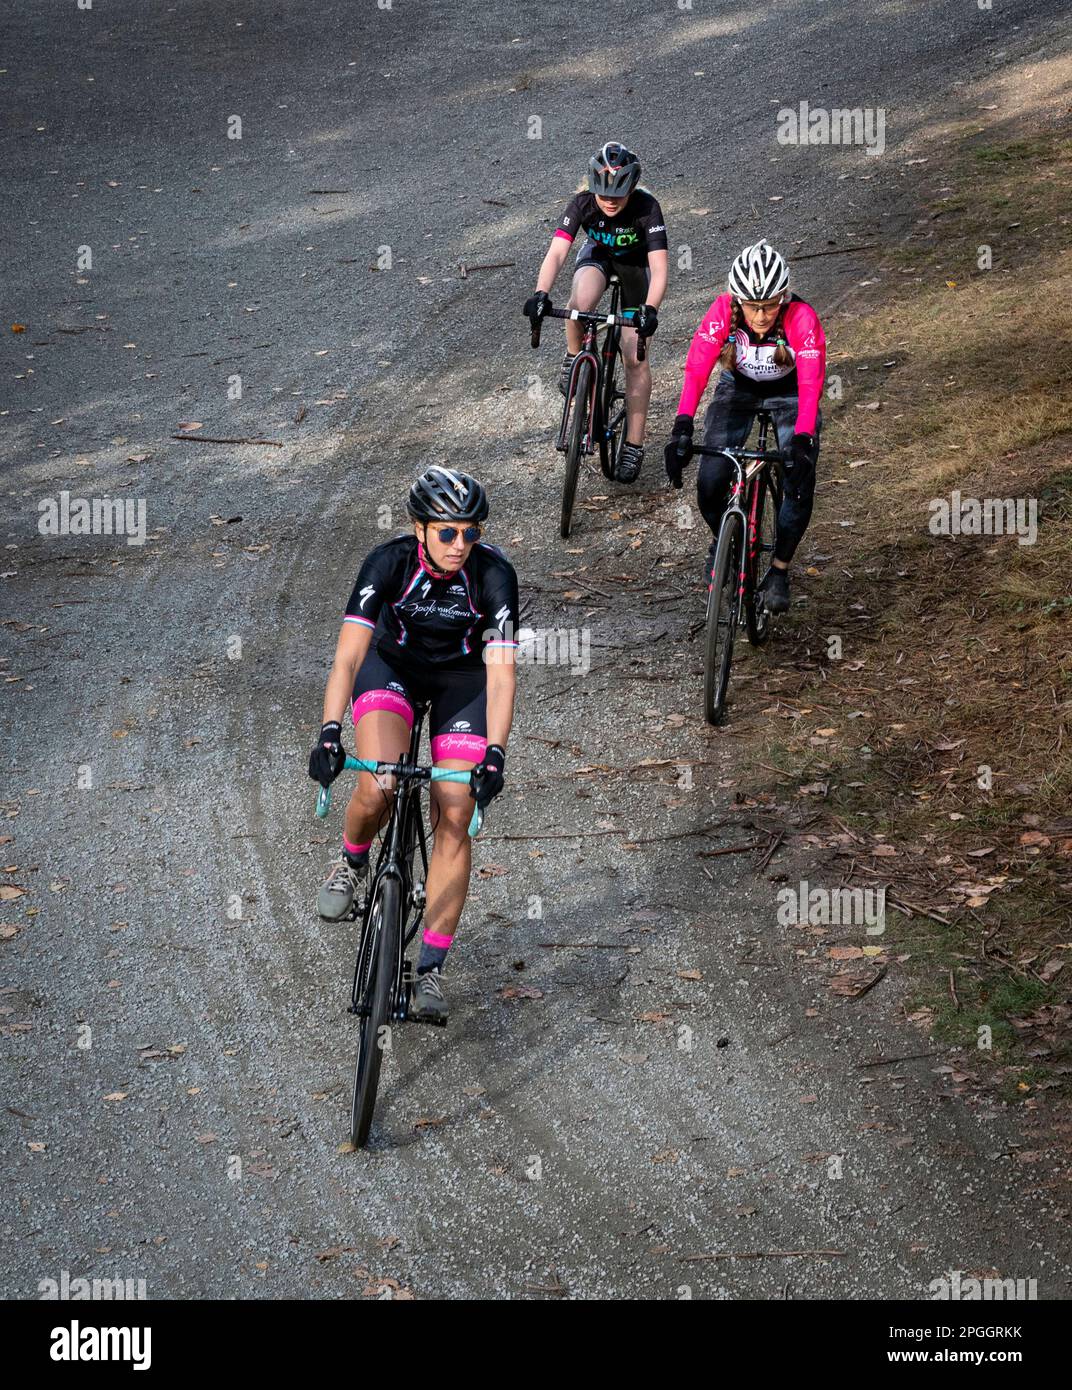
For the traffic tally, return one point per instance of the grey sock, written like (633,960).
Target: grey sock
(431,957)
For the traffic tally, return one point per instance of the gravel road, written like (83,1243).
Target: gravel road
(675,1079)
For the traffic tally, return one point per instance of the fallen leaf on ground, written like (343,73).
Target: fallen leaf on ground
(520,992)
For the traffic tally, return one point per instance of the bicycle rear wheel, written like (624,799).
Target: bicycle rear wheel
(578,426)
(375,993)
(722,617)
(761,543)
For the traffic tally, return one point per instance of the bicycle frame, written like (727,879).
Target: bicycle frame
(589,353)
(748,465)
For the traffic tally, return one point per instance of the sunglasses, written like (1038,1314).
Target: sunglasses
(447,534)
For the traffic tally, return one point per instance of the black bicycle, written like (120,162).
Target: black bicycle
(390,917)
(746,539)
(593,415)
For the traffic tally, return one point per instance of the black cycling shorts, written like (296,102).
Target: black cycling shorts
(457,718)
(635,278)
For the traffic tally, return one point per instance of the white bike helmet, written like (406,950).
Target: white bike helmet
(759,272)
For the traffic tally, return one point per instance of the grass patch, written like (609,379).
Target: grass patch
(942,728)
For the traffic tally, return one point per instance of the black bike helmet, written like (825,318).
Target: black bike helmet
(614,172)
(441,494)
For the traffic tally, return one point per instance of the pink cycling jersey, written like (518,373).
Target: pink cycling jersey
(807,345)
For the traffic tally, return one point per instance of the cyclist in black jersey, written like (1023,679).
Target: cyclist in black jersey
(433,616)
(626,237)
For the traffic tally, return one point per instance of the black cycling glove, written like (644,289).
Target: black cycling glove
(680,439)
(486,779)
(328,758)
(800,452)
(537,305)
(645,320)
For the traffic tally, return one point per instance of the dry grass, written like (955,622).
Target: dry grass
(956,651)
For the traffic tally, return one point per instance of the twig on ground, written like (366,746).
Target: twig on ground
(210,439)
(890,1061)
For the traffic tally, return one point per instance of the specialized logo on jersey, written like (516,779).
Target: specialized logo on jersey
(425,588)
(715,330)
(502,615)
(366,594)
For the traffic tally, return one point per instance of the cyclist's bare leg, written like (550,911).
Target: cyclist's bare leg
(637,387)
(385,737)
(452,857)
(588,285)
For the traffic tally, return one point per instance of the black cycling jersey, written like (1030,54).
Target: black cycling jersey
(636,230)
(419,620)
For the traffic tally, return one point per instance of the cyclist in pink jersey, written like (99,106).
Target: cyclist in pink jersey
(771,348)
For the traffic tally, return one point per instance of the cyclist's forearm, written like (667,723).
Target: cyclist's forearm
(811,371)
(350,652)
(552,264)
(658,263)
(699,364)
(502,688)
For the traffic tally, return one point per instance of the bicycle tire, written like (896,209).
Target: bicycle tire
(378,989)
(577,426)
(722,618)
(610,442)
(761,548)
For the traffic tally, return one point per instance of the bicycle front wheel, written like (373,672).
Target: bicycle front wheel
(612,424)
(722,617)
(762,538)
(578,427)
(377,982)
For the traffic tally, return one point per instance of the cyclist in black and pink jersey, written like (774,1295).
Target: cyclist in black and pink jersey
(626,237)
(432,616)
(772,351)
